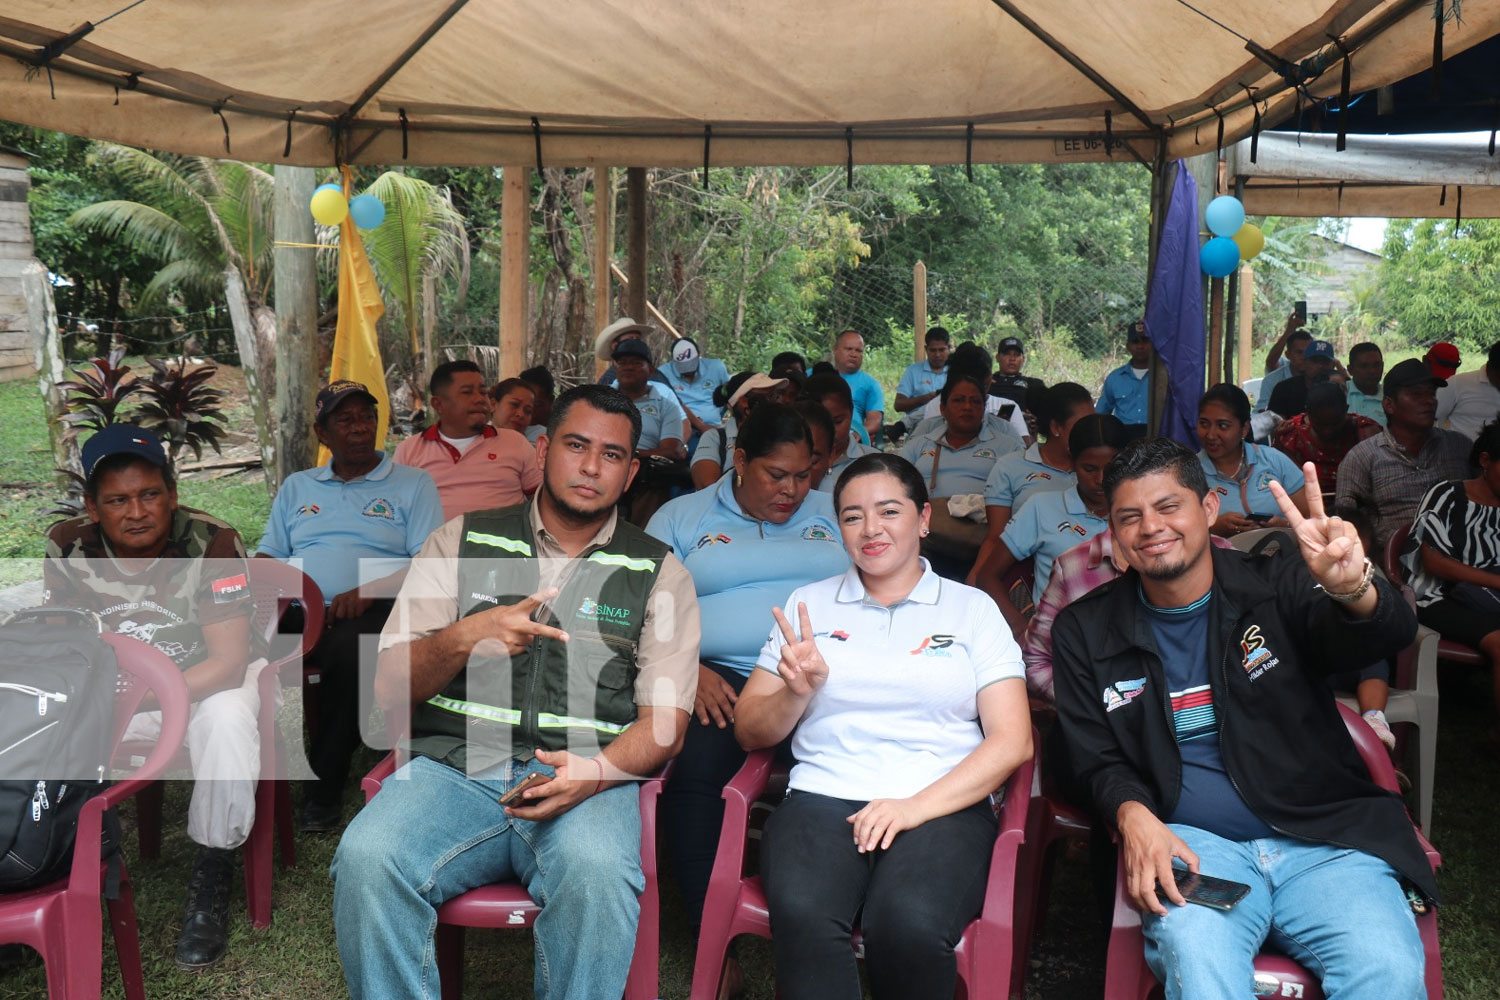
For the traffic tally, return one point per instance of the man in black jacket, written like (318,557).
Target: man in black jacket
(1191,698)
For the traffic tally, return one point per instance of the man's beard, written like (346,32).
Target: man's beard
(572,512)
(1172,571)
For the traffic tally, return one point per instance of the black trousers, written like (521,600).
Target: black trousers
(912,901)
(691,809)
(335,736)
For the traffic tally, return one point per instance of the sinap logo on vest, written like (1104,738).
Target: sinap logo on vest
(593,611)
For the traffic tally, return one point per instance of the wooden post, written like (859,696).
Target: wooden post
(248,345)
(635,236)
(47,353)
(1215,330)
(515,232)
(604,254)
(919,310)
(429,327)
(1247,320)
(296,272)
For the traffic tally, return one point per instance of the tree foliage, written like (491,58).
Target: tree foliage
(1441,280)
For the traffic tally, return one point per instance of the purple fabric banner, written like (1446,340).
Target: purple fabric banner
(1174,311)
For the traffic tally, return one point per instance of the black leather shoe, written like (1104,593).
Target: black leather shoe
(205,923)
(321,817)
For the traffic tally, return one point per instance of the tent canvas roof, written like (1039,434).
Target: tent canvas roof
(670,83)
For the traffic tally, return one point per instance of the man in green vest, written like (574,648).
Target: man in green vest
(551,638)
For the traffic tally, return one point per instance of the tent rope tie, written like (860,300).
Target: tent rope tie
(218,109)
(54,49)
(401,114)
(1109,133)
(1219,144)
(708,132)
(291,117)
(1458,209)
(849,162)
(1342,141)
(1437,50)
(1443,196)
(969,149)
(536,135)
(1254,126)
(1339,200)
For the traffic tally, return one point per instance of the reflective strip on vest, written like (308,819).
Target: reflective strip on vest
(624,562)
(500,542)
(512,717)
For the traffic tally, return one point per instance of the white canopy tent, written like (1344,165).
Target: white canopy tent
(670,83)
(1398,176)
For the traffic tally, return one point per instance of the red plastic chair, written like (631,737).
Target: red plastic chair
(1454,652)
(61,920)
(275,585)
(508,905)
(1127,977)
(989,965)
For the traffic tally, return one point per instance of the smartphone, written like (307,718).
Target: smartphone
(1259,518)
(534,778)
(1205,890)
(1299,309)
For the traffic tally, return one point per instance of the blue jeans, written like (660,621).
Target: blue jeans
(433,833)
(1340,913)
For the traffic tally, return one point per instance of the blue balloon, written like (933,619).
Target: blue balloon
(1224,215)
(337,187)
(367,211)
(1219,257)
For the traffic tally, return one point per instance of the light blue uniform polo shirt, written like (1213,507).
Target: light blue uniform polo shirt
(1251,494)
(961,470)
(1020,474)
(1003,429)
(1046,526)
(354,532)
(867,396)
(698,394)
(742,568)
(918,380)
(1125,396)
(855,450)
(707,448)
(661,416)
(1362,405)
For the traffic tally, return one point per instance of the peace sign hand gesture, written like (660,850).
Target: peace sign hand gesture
(1330,546)
(802,667)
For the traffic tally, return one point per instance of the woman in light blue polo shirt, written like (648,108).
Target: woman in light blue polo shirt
(1238,470)
(747,541)
(832,393)
(902,694)
(958,456)
(1049,524)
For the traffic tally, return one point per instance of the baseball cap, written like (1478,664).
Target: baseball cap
(1407,374)
(1319,349)
(1010,344)
(122,439)
(1136,331)
(335,393)
(755,381)
(633,348)
(607,335)
(1444,359)
(685,356)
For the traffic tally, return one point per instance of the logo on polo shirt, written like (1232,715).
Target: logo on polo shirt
(713,539)
(307,509)
(1032,477)
(1258,658)
(647,409)
(593,611)
(1066,526)
(379,507)
(1223,491)
(934,645)
(985,453)
(1263,483)
(840,635)
(817,533)
(1121,693)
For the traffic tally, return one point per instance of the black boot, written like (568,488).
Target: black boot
(205,924)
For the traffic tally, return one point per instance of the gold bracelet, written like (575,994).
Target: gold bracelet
(1357,592)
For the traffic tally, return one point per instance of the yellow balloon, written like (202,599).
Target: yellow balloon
(329,207)
(1250,240)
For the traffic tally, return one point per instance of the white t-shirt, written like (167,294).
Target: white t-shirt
(459,445)
(900,707)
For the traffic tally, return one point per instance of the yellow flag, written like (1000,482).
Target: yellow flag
(356,343)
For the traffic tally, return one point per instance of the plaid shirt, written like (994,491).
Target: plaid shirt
(1381,483)
(1077,571)
(1295,439)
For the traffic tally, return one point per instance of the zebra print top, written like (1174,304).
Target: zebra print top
(1457,527)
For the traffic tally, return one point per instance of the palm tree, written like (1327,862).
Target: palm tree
(210,223)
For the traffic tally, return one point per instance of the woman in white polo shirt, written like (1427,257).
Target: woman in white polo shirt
(904,698)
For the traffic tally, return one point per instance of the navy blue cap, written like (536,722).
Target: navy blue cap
(634,347)
(1011,344)
(335,393)
(122,439)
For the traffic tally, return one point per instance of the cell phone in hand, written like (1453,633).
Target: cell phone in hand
(1259,518)
(1299,309)
(534,778)
(1205,890)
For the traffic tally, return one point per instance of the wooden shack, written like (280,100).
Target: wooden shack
(16,252)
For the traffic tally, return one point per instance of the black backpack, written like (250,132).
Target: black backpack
(57,697)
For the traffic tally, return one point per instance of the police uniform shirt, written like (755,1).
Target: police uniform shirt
(1250,493)
(1020,474)
(950,471)
(1046,526)
(349,532)
(900,707)
(661,416)
(918,380)
(1126,394)
(742,567)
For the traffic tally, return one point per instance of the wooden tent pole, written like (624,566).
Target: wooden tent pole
(297,368)
(604,252)
(919,310)
(635,236)
(515,232)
